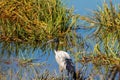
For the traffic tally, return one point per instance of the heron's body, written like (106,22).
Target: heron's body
(65,62)
(63,59)
(60,57)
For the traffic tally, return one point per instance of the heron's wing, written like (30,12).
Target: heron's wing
(70,67)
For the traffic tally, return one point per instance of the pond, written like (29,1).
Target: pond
(33,63)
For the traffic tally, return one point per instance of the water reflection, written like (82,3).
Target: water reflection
(25,62)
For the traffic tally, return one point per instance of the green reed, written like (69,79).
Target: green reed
(106,24)
(34,20)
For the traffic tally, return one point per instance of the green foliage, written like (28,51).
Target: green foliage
(106,25)
(34,20)
(25,25)
(105,21)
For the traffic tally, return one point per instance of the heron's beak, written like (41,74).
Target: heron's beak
(52,40)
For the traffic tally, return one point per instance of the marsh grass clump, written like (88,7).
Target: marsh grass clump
(34,20)
(106,35)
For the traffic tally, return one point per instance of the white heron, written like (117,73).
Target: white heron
(64,60)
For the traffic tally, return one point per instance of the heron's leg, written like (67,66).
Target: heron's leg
(62,76)
(68,75)
(61,71)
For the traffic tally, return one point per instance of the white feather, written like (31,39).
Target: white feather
(60,58)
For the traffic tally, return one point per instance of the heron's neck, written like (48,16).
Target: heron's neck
(56,46)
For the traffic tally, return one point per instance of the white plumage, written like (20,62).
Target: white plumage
(65,63)
(61,57)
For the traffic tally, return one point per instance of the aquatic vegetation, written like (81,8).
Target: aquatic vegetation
(34,21)
(26,26)
(106,31)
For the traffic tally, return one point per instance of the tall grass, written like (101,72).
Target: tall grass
(106,25)
(34,20)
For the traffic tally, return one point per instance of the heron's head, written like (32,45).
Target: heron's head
(56,40)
